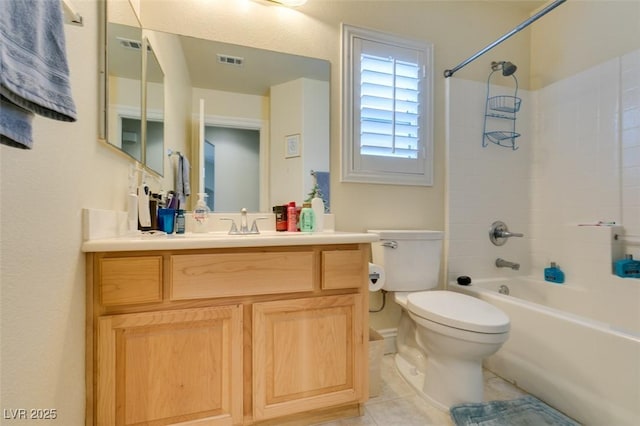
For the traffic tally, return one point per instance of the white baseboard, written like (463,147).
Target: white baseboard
(389,335)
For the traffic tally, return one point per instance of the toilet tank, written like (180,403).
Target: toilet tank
(414,263)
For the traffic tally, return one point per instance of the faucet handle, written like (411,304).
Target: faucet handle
(254,227)
(499,232)
(234,228)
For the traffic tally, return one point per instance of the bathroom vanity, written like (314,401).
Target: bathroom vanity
(227,330)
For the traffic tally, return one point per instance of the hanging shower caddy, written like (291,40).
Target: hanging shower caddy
(500,113)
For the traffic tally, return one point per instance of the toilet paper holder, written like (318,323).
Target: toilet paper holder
(390,244)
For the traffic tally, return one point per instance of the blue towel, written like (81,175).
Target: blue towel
(322,180)
(34,73)
(183,185)
(15,125)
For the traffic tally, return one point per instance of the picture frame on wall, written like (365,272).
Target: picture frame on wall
(292,146)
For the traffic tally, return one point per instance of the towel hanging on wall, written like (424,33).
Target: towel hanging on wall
(183,185)
(34,73)
(322,180)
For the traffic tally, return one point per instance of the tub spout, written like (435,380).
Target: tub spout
(501,263)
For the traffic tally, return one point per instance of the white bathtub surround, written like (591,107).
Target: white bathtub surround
(486,185)
(578,162)
(586,368)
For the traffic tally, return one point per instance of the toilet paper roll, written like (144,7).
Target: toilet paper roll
(376,277)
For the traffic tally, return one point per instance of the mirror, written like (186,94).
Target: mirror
(129,104)
(251,100)
(232,89)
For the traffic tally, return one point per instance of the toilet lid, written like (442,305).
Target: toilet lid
(458,310)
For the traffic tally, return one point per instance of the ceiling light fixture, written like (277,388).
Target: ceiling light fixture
(290,3)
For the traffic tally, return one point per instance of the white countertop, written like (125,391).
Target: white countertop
(207,240)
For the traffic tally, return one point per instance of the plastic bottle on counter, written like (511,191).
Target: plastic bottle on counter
(317,204)
(180,222)
(201,214)
(281,217)
(292,225)
(307,218)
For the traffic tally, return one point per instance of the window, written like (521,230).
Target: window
(388,114)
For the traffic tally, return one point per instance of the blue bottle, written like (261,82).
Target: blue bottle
(627,267)
(553,274)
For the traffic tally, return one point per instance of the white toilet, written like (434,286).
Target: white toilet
(443,336)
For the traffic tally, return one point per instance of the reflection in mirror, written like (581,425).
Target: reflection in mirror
(232,155)
(274,94)
(154,113)
(124,72)
(252,99)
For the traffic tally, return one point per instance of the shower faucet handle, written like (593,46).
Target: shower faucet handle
(507,234)
(499,232)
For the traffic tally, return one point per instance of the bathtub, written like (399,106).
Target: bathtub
(584,367)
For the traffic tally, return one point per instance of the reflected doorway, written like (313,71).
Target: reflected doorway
(232,168)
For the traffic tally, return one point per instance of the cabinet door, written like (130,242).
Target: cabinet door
(307,354)
(158,368)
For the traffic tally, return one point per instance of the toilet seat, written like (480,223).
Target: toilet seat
(458,311)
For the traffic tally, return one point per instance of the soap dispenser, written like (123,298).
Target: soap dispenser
(553,274)
(627,267)
(132,201)
(201,214)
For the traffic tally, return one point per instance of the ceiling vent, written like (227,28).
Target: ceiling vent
(230,60)
(131,44)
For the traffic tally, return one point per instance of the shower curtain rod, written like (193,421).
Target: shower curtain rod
(549,8)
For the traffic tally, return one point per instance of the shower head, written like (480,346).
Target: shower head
(507,68)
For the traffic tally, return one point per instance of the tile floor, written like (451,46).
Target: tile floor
(399,405)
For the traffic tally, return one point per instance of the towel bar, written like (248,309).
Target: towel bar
(70,15)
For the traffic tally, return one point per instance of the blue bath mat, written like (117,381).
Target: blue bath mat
(524,411)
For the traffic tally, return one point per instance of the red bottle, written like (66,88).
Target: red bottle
(292,223)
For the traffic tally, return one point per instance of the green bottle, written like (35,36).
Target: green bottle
(307,218)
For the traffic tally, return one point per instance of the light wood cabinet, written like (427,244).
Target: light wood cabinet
(170,366)
(129,280)
(237,336)
(306,354)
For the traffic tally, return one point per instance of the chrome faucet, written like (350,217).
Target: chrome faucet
(244,227)
(244,224)
(499,232)
(501,263)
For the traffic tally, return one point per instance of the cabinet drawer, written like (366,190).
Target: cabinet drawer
(197,276)
(128,280)
(343,269)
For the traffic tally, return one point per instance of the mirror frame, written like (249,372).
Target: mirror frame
(148,49)
(103,91)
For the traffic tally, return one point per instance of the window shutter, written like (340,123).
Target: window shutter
(388,135)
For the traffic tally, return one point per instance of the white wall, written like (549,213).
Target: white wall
(286,120)
(299,107)
(176,99)
(43,271)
